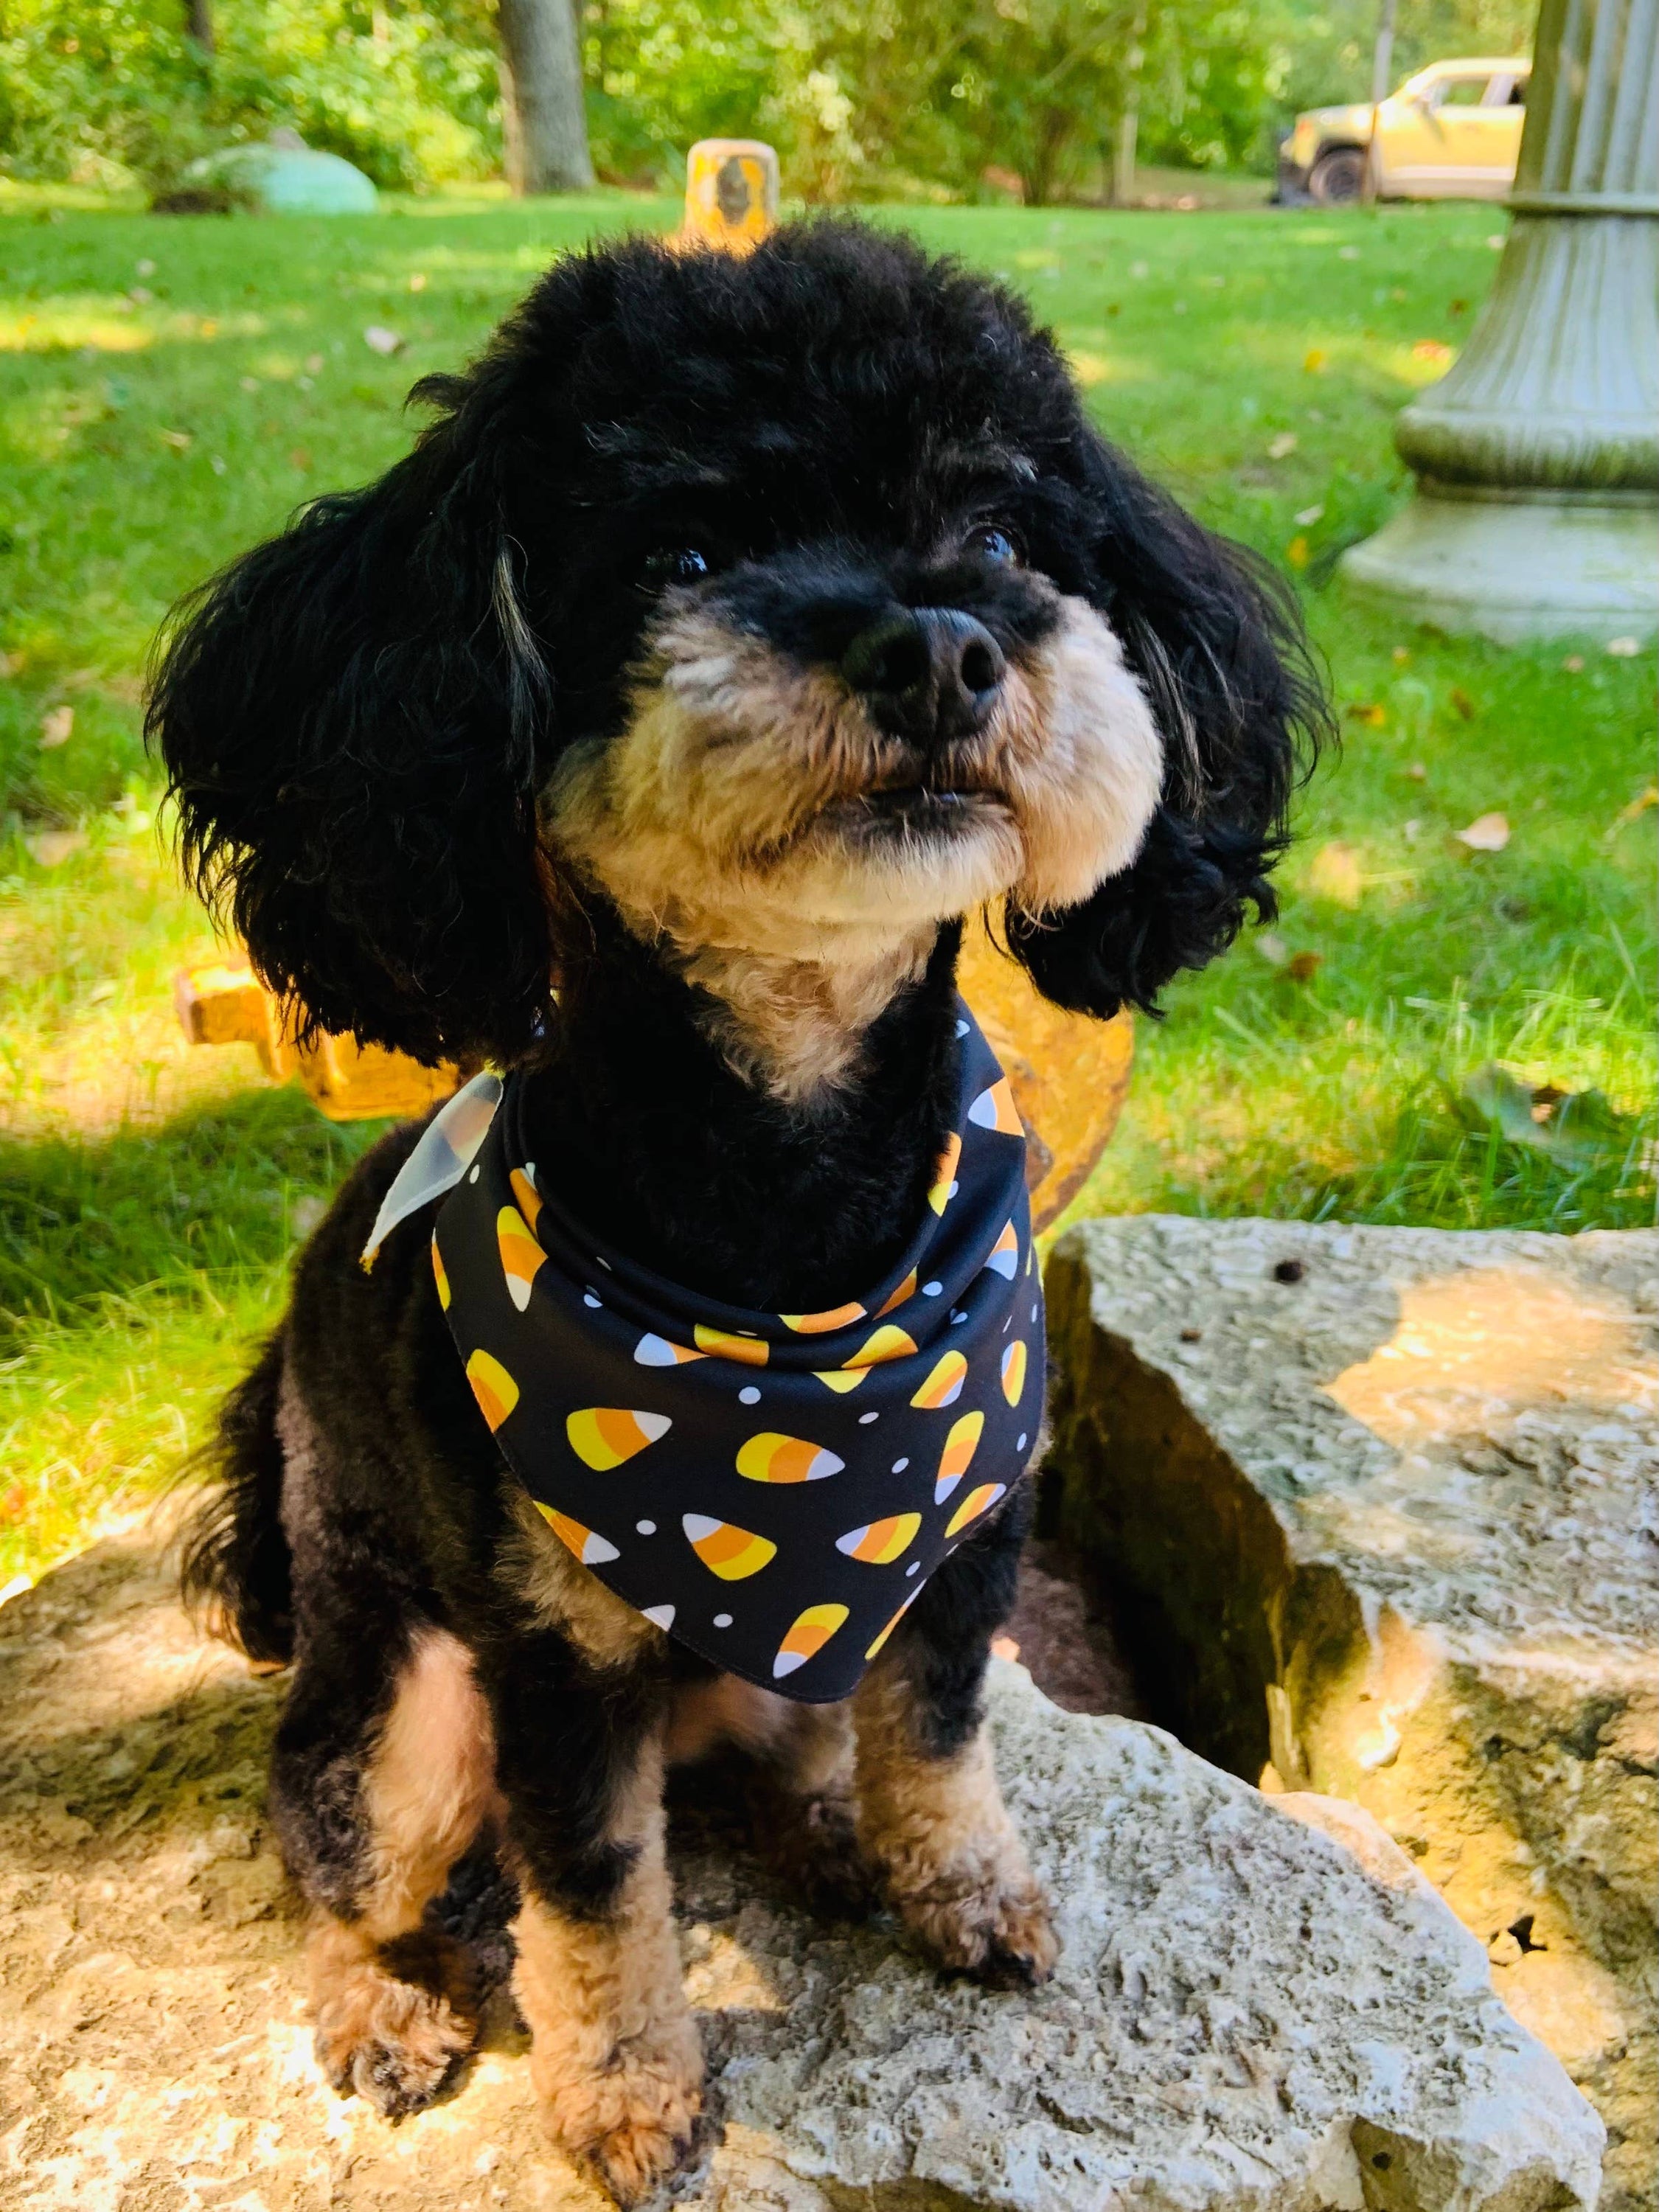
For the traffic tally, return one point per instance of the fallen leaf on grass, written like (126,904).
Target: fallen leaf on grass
(180,440)
(1488,833)
(1402,653)
(314,364)
(11,664)
(1314,359)
(1307,516)
(48,847)
(1302,967)
(1335,875)
(1461,701)
(300,459)
(1638,807)
(1367,711)
(1416,773)
(380,340)
(1281,447)
(1431,349)
(417,280)
(56,728)
(1624,648)
(1297,552)
(1574,664)
(1575,1127)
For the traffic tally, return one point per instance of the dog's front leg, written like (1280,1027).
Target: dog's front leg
(614,2055)
(930,1811)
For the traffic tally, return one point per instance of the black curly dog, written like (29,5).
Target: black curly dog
(735,628)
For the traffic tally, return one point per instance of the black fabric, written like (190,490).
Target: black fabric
(773,1490)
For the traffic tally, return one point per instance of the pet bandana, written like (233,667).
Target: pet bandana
(772,1490)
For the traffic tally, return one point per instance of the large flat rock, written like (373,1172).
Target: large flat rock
(1261,2004)
(1382,1504)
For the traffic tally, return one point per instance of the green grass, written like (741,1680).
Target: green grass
(149,1196)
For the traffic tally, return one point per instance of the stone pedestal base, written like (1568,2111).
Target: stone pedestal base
(1518,568)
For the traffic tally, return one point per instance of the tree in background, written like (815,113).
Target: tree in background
(544,113)
(863,98)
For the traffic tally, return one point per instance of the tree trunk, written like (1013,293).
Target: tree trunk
(198,23)
(545,122)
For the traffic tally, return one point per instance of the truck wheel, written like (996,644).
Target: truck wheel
(1338,178)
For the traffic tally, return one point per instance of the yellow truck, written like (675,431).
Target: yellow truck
(1451,132)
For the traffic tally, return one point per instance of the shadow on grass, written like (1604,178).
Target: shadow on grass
(224,1186)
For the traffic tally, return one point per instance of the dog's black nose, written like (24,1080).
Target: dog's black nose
(926,673)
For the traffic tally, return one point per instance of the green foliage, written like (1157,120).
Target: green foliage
(109,92)
(915,99)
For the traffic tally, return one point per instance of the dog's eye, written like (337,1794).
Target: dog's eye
(672,564)
(992,543)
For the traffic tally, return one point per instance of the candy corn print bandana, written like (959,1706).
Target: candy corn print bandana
(772,1490)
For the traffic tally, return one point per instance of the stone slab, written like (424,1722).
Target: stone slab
(1258,2005)
(1389,1528)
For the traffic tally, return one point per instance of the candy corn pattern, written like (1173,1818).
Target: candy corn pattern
(1013,1370)
(771,1458)
(497,1392)
(603,1437)
(826,1496)
(994,1109)
(725,1344)
(892,1624)
(593,1551)
(807,1635)
(1003,1254)
(944,1386)
(888,1342)
(658,1351)
(959,1448)
(944,1176)
(841,1380)
(879,1543)
(528,1197)
(819,1324)
(521,1254)
(977,1501)
(726,1550)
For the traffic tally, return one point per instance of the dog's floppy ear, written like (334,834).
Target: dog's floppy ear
(349,716)
(1217,642)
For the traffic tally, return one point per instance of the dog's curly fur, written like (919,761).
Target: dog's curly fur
(735,628)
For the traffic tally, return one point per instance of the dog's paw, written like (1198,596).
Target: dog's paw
(634,2125)
(999,1931)
(392,2026)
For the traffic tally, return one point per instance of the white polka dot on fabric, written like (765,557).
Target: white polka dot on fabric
(1033,1313)
(589,1299)
(473,1177)
(915,1567)
(931,1290)
(958,1319)
(645,1528)
(961,1029)
(899,1465)
(722,1620)
(865,1419)
(749,1397)
(955,1188)
(1019,1443)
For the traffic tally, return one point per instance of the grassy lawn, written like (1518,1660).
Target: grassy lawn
(169,390)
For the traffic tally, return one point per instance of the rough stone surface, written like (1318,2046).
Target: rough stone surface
(1249,2013)
(1390,1525)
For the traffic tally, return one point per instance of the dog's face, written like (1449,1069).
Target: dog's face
(792,604)
(860,703)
